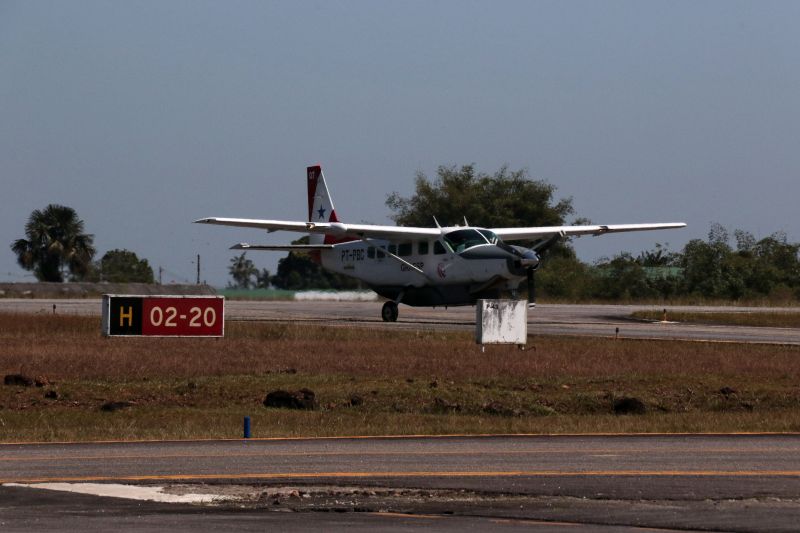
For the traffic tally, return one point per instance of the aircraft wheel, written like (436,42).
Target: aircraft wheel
(389,312)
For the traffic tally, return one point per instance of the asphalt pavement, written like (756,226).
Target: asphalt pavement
(710,482)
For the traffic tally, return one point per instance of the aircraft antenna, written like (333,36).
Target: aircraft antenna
(465,221)
(437,223)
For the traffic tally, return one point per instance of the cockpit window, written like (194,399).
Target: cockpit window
(490,236)
(463,239)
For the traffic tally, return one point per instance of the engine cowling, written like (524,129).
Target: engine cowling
(527,258)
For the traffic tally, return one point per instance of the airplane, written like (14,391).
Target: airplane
(429,267)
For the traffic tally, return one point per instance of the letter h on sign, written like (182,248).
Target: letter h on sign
(125,316)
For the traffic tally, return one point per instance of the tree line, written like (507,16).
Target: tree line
(718,268)
(724,266)
(296,272)
(57,249)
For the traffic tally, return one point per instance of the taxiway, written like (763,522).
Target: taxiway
(545,319)
(710,482)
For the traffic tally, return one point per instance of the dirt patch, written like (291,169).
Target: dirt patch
(744,514)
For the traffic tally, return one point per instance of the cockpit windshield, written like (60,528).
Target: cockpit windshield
(463,239)
(490,236)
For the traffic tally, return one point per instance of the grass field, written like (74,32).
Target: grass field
(409,382)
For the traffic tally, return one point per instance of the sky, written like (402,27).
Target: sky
(144,116)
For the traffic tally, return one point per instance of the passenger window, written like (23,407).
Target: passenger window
(381,255)
(438,249)
(404,249)
(371,252)
(422,248)
(393,249)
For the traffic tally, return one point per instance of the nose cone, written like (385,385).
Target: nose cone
(529,258)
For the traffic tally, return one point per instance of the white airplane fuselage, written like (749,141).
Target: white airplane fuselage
(427,271)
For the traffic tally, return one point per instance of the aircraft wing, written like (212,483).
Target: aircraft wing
(369,231)
(337,229)
(269,225)
(518,234)
(282,247)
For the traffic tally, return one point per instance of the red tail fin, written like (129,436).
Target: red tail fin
(320,204)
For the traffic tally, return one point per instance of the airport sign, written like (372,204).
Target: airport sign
(163,316)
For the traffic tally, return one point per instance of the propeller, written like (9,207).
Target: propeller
(542,246)
(531,288)
(539,249)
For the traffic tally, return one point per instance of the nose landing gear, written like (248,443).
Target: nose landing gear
(389,312)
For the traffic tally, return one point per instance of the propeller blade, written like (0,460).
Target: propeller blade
(531,287)
(541,247)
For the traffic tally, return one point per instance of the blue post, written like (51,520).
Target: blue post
(247,427)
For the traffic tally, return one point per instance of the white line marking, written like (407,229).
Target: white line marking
(130,492)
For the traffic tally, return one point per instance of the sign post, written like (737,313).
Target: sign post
(163,316)
(501,322)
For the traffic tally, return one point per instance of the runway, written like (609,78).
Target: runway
(713,482)
(491,457)
(545,319)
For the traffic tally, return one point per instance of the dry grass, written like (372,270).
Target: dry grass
(411,382)
(222,423)
(70,347)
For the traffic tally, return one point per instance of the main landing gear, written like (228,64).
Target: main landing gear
(389,312)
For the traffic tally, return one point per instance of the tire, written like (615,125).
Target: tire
(389,312)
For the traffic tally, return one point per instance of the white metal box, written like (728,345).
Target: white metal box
(501,322)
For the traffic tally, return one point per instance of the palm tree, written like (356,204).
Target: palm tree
(55,245)
(242,271)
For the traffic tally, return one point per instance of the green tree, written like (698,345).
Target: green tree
(504,199)
(772,265)
(123,266)
(706,265)
(755,269)
(242,270)
(55,245)
(621,278)
(298,271)
(262,279)
(563,277)
(660,256)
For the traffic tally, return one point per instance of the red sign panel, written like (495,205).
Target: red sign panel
(183,316)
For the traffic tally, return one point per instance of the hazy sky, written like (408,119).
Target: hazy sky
(144,116)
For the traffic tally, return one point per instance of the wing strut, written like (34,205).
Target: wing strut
(413,268)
